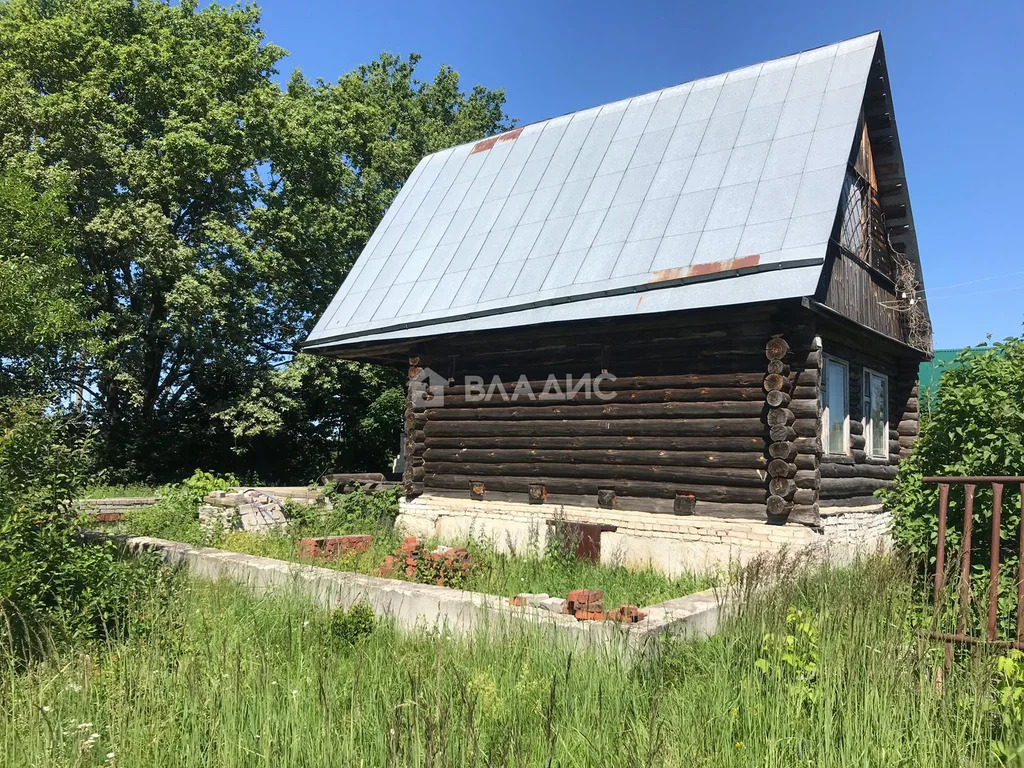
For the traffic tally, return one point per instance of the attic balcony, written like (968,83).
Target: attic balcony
(863,234)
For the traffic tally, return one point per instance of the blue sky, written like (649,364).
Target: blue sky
(957,73)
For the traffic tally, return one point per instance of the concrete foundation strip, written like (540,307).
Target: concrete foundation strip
(425,606)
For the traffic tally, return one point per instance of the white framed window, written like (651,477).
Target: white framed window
(876,414)
(835,406)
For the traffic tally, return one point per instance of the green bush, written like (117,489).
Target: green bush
(53,587)
(976,428)
(353,625)
(355,512)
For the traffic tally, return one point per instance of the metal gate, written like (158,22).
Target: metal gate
(970,485)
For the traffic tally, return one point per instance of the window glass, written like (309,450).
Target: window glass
(835,403)
(876,414)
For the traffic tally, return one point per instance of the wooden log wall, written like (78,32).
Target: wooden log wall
(692,414)
(793,385)
(852,479)
(863,294)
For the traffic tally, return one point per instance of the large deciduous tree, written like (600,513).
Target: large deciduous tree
(206,216)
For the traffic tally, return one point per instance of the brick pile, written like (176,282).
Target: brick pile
(585,604)
(334,547)
(445,566)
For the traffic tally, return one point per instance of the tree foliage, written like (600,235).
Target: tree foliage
(202,216)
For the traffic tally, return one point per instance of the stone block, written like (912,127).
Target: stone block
(553,604)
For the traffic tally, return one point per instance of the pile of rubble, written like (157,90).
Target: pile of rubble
(254,509)
(583,604)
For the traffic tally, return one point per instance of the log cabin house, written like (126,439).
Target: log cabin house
(736,255)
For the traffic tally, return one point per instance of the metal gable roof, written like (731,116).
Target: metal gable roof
(719,191)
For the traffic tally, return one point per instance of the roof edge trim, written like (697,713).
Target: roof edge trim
(316,344)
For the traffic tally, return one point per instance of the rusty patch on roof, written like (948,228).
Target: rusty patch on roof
(483,146)
(709,268)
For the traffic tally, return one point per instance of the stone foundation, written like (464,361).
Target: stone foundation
(669,543)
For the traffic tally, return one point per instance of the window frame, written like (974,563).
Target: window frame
(869,435)
(826,410)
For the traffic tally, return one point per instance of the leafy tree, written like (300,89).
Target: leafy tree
(209,215)
(42,325)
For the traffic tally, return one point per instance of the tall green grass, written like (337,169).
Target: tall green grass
(218,677)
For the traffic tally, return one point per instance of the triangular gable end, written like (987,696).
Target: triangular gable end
(874,226)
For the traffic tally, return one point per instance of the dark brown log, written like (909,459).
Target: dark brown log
(698,476)
(833,487)
(806,514)
(784,450)
(909,428)
(806,393)
(850,501)
(810,445)
(876,471)
(807,427)
(623,383)
(535,397)
(805,496)
(589,487)
(779,367)
(782,486)
(775,382)
(805,409)
(780,417)
(777,399)
(697,410)
(711,445)
(808,378)
(776,348)
(807,478)
(749,459)
(637,427)
(777,506)
(781,468)
(781,433)
(813,359)
(806,461)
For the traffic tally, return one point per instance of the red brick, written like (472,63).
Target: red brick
(590,615)
(518,601)
(410,546)
(389,567)
(626,614)
(356,544)
(586,596)
(309,548)
(107,517)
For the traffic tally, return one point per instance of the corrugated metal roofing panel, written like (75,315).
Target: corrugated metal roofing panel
(745,164)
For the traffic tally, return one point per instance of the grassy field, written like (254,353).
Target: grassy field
(824,670)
